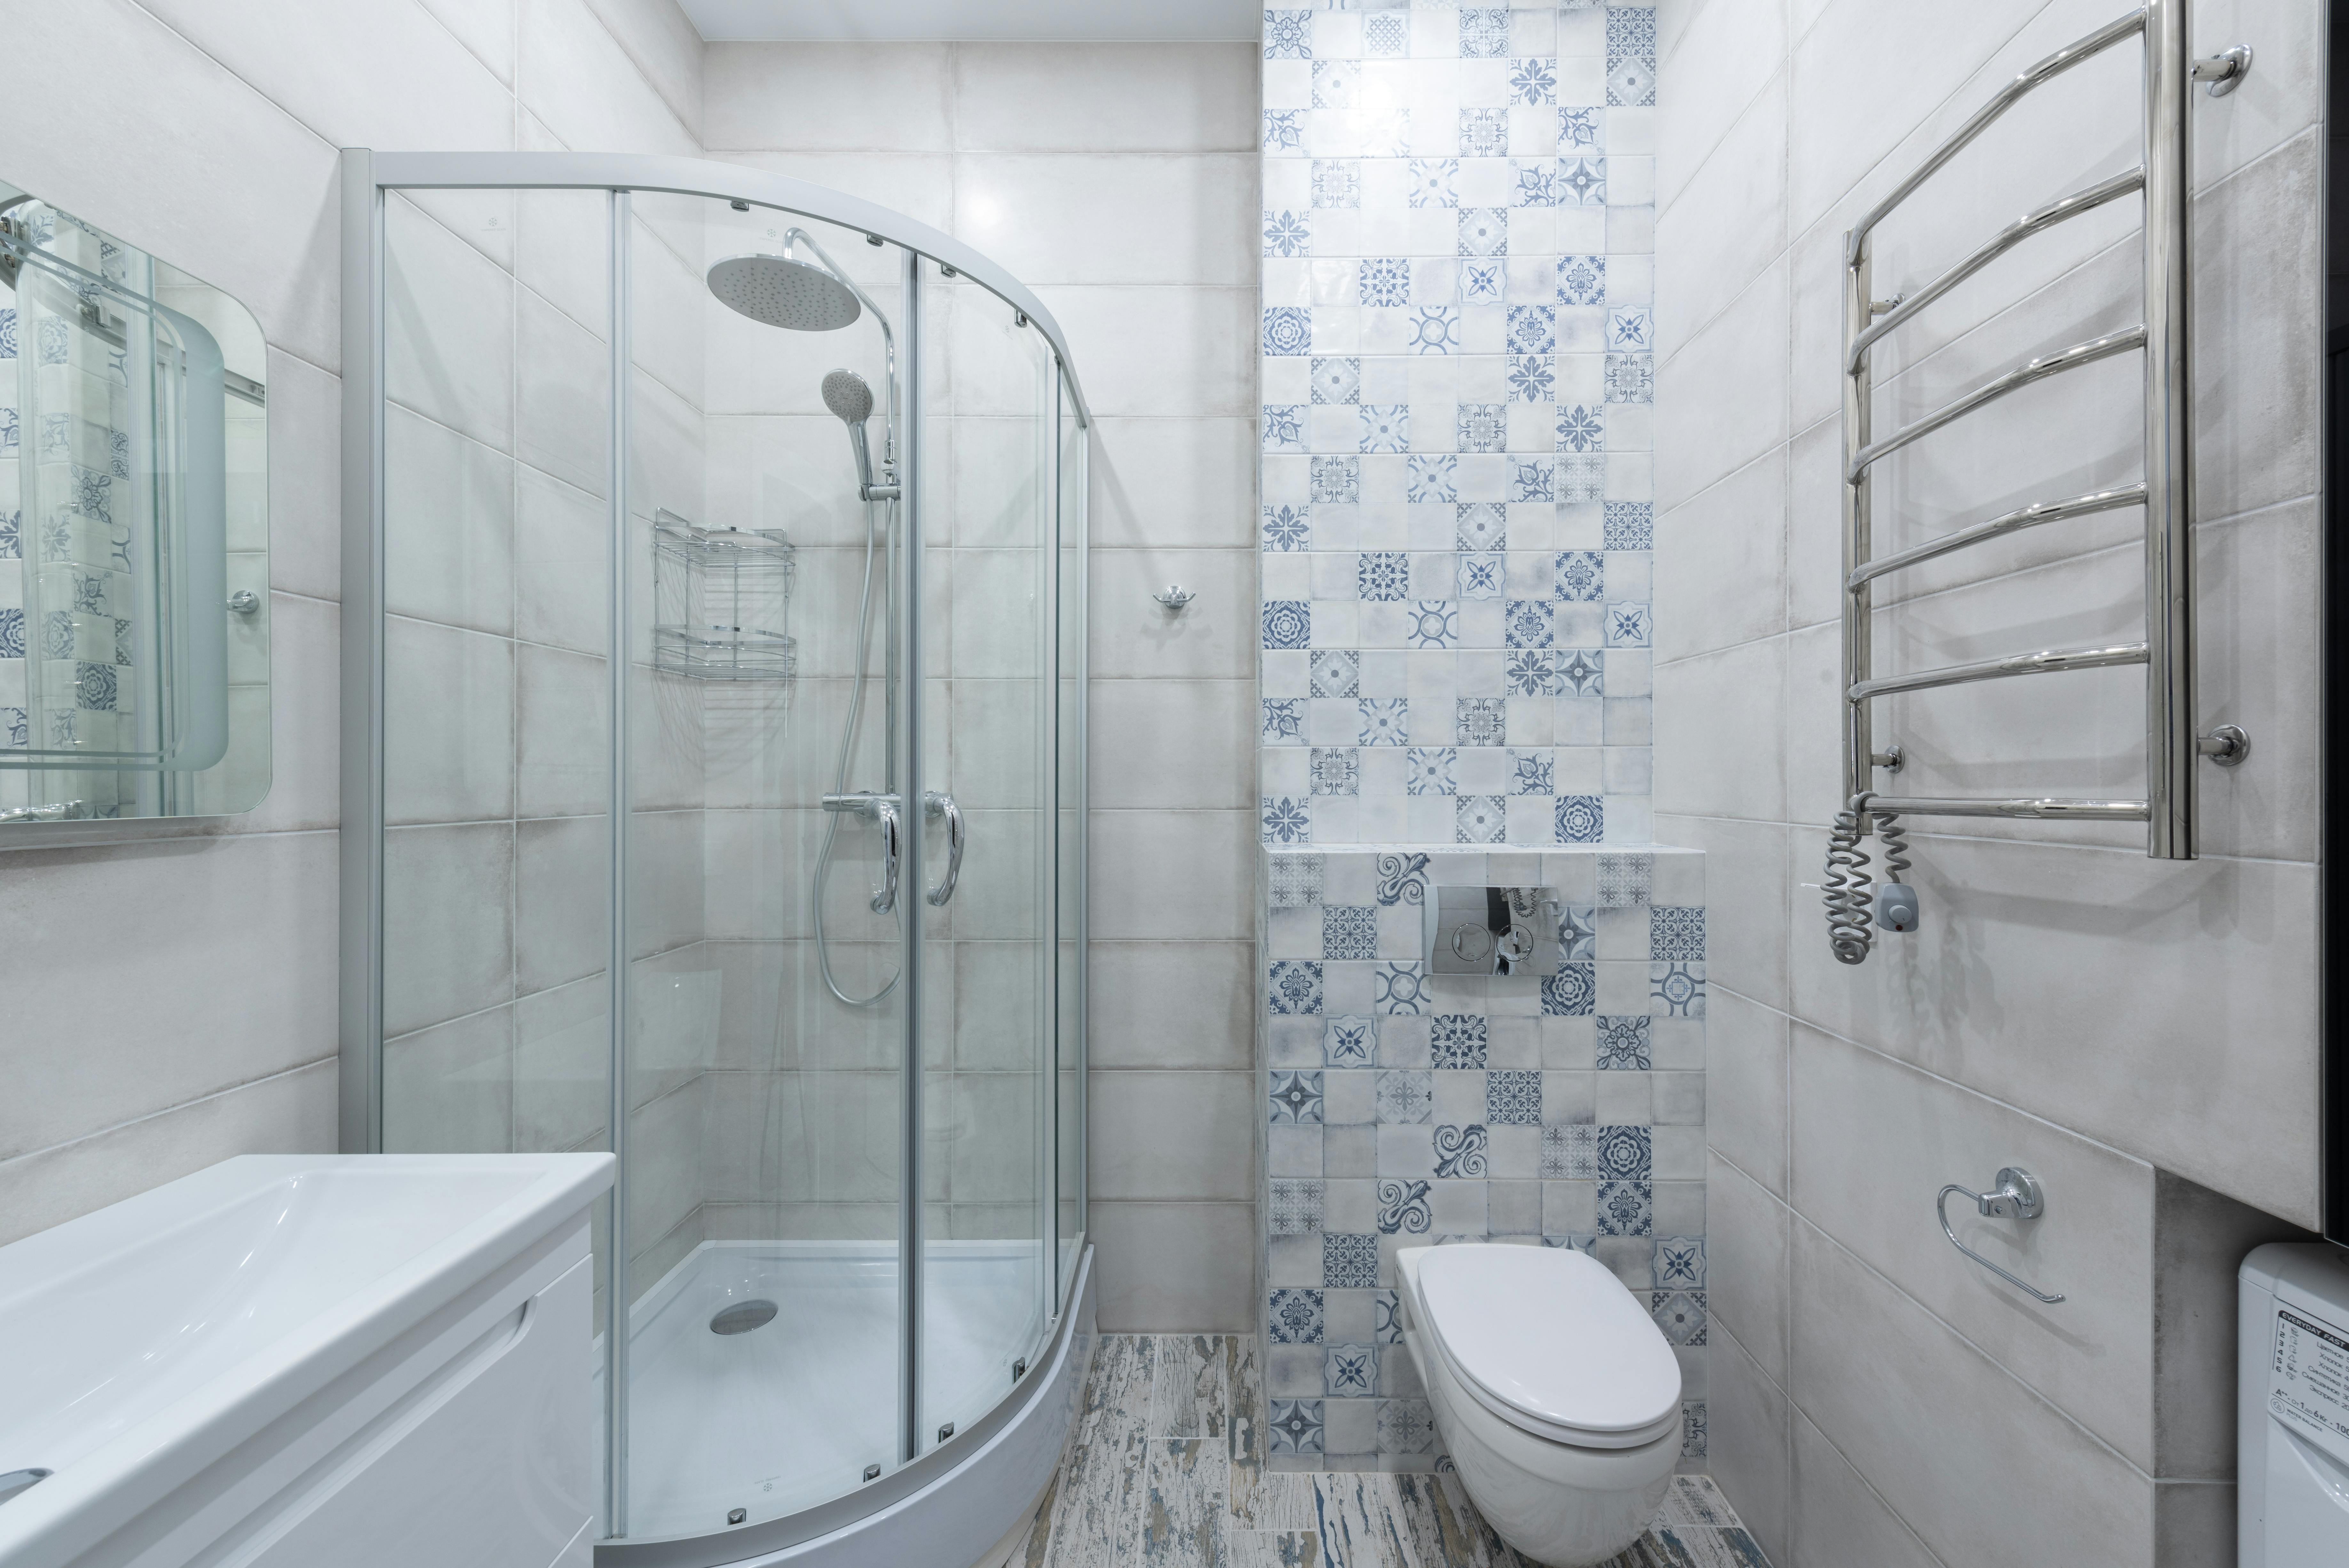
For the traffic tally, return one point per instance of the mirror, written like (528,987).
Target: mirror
(134,531)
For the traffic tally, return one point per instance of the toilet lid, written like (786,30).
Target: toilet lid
(1550,1335)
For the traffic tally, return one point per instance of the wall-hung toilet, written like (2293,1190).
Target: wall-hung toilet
(1553,1390)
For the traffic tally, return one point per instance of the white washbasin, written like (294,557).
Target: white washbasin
(145,1346)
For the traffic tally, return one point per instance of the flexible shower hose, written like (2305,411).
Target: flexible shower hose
(1851,920)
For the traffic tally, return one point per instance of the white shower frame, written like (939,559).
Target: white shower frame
(975,1485)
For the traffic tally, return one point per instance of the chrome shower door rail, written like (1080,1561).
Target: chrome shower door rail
(2168,650)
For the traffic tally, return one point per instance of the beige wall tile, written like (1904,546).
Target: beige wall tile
(1721,565)
(1871,1137)
(1084,218)
(288,1112)
(1159,874)
(1171,1268)
(1745,1437)
(1172,1136)
(1170,482)
(1173,744)
(1746,1059)
(1745,1267)
(1719,749)
(1105,97)
(827,96)
(1865,1359)
(1172,1005)
(1834,1518)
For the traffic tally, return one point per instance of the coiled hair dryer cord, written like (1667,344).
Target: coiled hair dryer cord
(1848,889)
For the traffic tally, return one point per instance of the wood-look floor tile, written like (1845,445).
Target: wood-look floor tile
(1354,1515)
(1277,1501)
(1166,1470)
(1441,1526)
(1275,1549)
(1701,1548)
(1695,1503)
(1185,1511)
(1497,1552)
(1188,1397)
(1244,1383)
(1099,1511)
(1040,1536)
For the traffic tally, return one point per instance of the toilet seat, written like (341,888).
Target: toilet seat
(1551,1342)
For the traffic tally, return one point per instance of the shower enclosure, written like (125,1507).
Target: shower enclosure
(713,661)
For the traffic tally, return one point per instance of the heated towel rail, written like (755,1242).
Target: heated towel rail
(2168,650)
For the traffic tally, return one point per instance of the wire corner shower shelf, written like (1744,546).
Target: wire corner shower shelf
(722,600)
(2162,336)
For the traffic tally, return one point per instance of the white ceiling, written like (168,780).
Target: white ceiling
(895,21)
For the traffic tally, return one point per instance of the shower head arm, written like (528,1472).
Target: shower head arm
(888,338)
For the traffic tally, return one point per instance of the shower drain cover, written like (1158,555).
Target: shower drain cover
(743,1316)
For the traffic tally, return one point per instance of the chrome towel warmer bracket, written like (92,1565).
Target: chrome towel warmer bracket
(2168,651)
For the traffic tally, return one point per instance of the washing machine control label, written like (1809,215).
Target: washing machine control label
(2308,1379)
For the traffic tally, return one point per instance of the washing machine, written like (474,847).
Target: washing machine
(2292,1408)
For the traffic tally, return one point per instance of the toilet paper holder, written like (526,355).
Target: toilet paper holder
(2017,1196)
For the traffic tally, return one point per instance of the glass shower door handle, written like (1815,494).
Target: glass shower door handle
(935,804)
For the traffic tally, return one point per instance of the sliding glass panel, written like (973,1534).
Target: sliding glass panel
(987,541)
(767,1038)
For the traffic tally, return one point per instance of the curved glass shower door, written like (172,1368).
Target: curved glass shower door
(763,1366)
(991,542)
(675,494)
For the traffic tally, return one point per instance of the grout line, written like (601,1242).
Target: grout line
(1784,67)
(1792,241)
(434,19)
(63,844)
(1715,1324)
(1795,1409)
(171,1109)
(1967,1340)
(1921,1071)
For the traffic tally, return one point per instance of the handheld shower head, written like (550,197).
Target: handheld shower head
(847,395)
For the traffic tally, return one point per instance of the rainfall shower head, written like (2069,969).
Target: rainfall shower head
(783,293)
(846,395)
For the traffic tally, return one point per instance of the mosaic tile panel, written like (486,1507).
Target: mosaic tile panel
(1458,382)
(1403,1108)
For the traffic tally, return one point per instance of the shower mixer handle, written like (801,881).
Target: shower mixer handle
(882,811)
(939,804)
